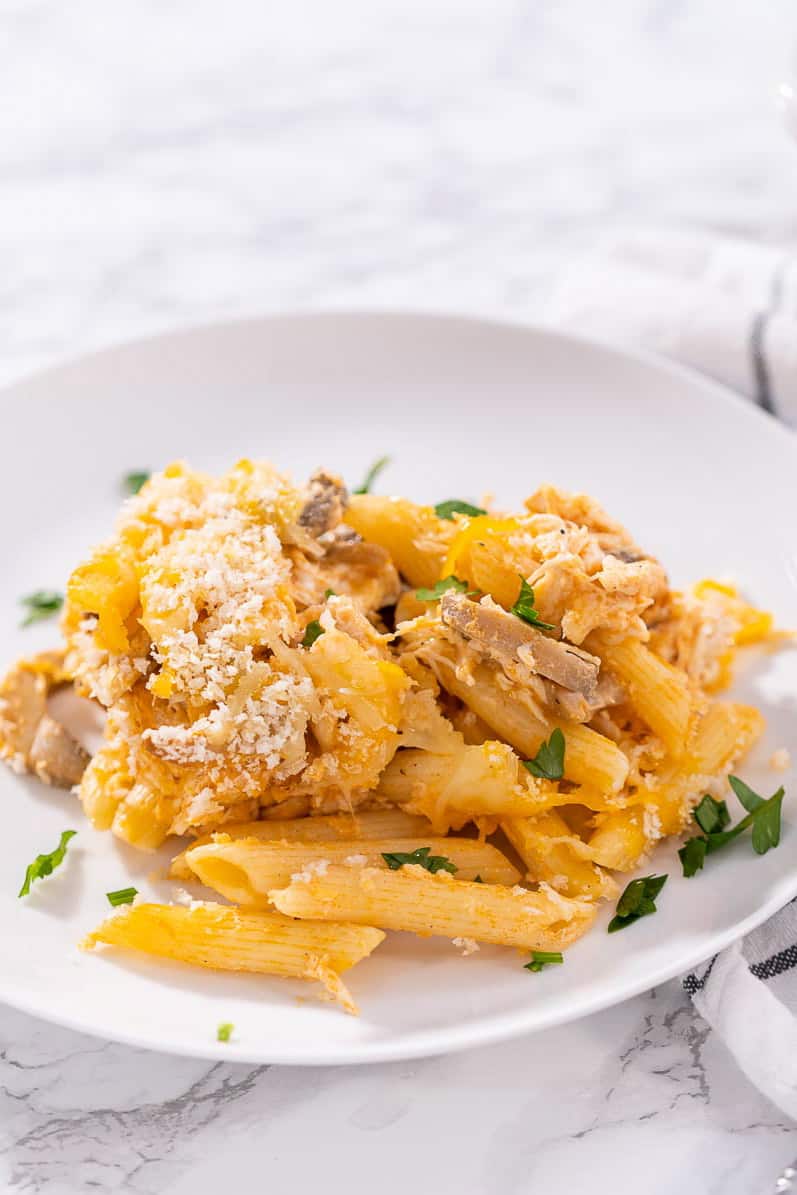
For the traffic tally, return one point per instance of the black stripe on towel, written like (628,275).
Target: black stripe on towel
(784,960)
(693,982)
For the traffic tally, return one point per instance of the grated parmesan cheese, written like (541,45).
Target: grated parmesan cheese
(466,946)
(780,760)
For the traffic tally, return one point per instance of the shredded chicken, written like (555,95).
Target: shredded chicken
(30,738)
(519,647)
(326,503)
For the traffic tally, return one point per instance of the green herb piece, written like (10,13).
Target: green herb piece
(711,815)
(421,856)
(441,587)
(454,506)
(524,608)
(478,880)
(693,855)
(543,958)
(638,900)
(133,482)
(122,896)
(313,631)
(328,593)
(44,865)
(224,1031)
(549,762)
(372,474)
(763,816)
(44,603)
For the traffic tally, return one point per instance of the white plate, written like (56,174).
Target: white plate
(704,481)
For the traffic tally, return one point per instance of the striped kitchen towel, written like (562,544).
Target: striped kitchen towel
(728,308)
(725,306)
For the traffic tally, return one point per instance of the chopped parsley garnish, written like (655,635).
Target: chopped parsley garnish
(372,474)
(693,855)
(543,958)
(638,900)
(328,593)
(455,506)
(549,762)
(313,631)
(122,896)
(44,865)
(440,587)
(712,817)
(421,856)
(224,1031)
(44,603)
(133,482)
(524,608)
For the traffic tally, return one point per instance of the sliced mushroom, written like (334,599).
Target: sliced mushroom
(327,499)
(30,739)
(514,645)
(56,756)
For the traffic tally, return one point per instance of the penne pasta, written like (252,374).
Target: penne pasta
(590,758)
(622,839)
(246,870)
(412,899)
(554,854)
(226,939)
(723,735)
(364,824)
(413,535)
(658,692)
(468,782)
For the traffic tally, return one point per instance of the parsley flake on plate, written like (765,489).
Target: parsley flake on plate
(455,506)
(543,958)
(44,865)
(422,857)
(441,587)
(122,896)
(372,474)
(44,603)
(313,631)
(549,762)
(524,608)
(224,1031)
(133,482)
(637,900)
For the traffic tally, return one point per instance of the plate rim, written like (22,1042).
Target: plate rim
(500,1026)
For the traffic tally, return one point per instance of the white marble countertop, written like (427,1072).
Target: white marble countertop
(168,164)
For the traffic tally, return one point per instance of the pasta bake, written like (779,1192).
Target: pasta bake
(368,714)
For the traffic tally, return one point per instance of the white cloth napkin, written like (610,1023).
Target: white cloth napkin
(725,306)
(728,308)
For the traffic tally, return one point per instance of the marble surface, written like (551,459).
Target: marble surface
(164,164)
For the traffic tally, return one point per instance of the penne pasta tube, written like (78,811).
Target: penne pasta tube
(622,839)
(246,870)
(553,853)
(371,823)
(227,939)
(590,758)
(413,535)
(484,780)
(412,899)
(658,692)
(723,736)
